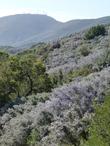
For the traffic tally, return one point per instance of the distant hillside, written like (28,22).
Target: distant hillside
(26,29)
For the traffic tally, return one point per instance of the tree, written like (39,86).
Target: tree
(23,76)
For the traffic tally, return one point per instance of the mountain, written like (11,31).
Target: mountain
(26,29)
(15,30)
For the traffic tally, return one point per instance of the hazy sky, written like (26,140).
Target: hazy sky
(62,10)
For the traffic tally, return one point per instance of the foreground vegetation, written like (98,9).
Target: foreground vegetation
(97,133)
(99,129)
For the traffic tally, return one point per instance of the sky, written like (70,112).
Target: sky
(62,10)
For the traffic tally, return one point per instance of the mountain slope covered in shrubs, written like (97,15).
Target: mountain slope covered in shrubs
(57,94)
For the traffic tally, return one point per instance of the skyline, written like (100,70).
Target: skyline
(62,10)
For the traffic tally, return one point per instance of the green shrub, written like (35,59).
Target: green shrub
(33,138)
(57,78)
(99,130)
(84,50)
(95,31)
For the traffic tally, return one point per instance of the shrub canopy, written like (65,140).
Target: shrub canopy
(95,31)
(22,76)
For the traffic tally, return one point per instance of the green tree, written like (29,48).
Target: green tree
(23,76)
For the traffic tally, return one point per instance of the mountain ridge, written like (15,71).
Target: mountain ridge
(22,29)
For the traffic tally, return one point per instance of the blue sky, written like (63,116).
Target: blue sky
(62,10)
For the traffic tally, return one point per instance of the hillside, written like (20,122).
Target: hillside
(56,114)
(24,30)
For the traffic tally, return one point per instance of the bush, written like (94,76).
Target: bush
(33,138)
(57,78)
(99,129)
(104,60)
(84,71)
(95,31)
(84,50)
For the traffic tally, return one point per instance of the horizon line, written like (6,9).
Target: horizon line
(93,18)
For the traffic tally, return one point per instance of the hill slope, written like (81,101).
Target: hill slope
(23,29)
(61,116)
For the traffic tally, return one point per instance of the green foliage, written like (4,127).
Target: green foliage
(57,78)
(84,50)
(99,129)
(23,76)
(33,138)
(3,56)
(84,71)
(95,31)
(41,50)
